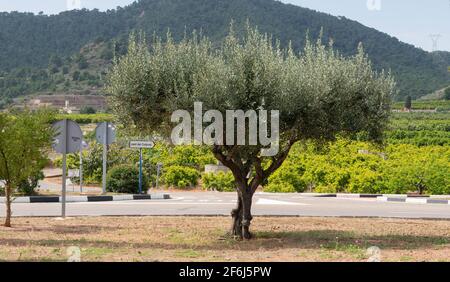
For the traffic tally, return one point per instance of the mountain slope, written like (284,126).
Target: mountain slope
(29,41)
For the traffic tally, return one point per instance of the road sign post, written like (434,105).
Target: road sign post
(141,145)
(84,145)
(64,168)
(104,168)
(81,170)
(67,140)
(158,171)
(106,135)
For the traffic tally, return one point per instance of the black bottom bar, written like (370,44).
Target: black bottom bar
(228,271)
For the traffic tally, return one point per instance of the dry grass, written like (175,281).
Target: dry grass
(201,239)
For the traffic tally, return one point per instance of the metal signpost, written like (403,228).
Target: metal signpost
(68,140)
(158,171)
(106,135)
(84,146)
(141,145)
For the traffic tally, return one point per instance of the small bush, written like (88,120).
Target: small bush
(125,179)
(222,182)
(287,180)
(88,110)
(27,187)
(180,176)
(279,188)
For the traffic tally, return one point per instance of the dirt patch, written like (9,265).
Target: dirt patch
(201,239)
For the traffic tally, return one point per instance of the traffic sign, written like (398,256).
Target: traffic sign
(105,133)
(142,144)
(68,138)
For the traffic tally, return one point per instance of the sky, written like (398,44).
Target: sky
(425,24)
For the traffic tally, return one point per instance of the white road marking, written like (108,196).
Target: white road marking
(150,202)
(423,213)
(278,203)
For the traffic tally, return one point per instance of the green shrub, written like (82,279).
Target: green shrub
(180,176)
(418,169)
(222,182)
(72,161)
(27,187)
(125,179)
(279,188)
(287,180)
(88,111)
(366,181)
(189,155)
(93,160)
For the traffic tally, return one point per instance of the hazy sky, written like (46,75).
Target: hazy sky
(412,21)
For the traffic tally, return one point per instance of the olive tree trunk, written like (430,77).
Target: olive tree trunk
(241,215)
(246,188)
(236,215)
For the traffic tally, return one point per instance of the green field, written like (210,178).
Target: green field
(86,118)
(415,157)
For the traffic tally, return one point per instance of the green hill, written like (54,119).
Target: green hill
(41,53)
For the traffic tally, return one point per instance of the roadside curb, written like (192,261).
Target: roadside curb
(413,200)
(319,195)
(80,199)
(345,196)
(399,198)
(423,199)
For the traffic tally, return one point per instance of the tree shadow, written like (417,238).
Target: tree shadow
(317,239)
(63,229)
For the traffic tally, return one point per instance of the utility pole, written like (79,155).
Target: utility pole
(435,38)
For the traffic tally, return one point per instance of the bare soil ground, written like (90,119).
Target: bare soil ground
(201,239)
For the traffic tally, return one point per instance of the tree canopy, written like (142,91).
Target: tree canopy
(318,92)
(24,139)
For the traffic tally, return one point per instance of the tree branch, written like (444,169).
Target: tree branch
(278,160)
(228,162)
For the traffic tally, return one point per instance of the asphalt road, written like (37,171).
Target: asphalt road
(213,203)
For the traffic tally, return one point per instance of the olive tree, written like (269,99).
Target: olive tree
(319,94)
(24,142)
